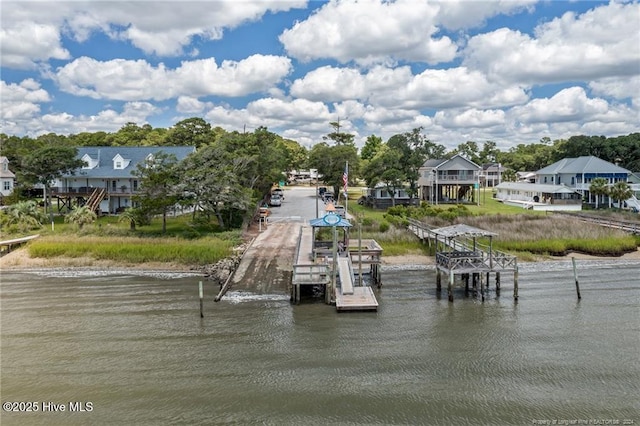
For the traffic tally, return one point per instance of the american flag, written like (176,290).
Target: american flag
(345,177)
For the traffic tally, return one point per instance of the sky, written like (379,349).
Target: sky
(508,71)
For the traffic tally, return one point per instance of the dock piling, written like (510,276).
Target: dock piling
(575,277)
(201,291)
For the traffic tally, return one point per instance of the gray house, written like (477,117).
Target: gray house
(106,182)
(578,173)
(454,181)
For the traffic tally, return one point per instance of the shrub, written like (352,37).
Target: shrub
(384,226)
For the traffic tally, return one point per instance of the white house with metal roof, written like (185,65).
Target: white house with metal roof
(106,181)
(537,196)
(7,177)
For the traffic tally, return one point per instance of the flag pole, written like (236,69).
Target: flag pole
(346,196)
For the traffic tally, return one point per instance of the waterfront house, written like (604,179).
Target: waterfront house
(380,197)
(106,182)
(536,196)
(7,178)
(456,180)
(491,175)
(578,173)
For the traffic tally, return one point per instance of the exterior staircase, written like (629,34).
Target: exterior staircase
(633,203)
(95,198)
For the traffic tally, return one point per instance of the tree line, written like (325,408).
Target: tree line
(231,171)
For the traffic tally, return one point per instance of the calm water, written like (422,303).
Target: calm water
(136,348)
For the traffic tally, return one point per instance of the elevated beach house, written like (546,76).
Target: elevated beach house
(564,185)
(454,181)
(106,183)
(578,173)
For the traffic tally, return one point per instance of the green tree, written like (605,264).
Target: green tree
(331,162)
(340,138)
(509,175)
(193,131)
(212,176)
(469,150)
(620,191)
(598,188)
(371,147)
(158,191)
(81,216)
(386,167)
(49,163)
(414,149)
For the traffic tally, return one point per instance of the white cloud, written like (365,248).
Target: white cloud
(570,104)
(121,79)
(461,14)
(26,43)
(32,34)
(618,88)
(20,102)
(369,32)
(470,118)
(600,43)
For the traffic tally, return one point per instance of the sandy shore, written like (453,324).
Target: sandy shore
(20,260)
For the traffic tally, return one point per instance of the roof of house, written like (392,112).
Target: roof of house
(536,187)
(104,155)
(6,174)
(444,163)
(584,164)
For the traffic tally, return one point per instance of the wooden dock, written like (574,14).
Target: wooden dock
(316,270)
(459,253)
(9,244)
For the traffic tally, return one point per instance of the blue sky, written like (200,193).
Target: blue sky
(508,71)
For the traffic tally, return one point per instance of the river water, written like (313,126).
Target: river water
(131,349)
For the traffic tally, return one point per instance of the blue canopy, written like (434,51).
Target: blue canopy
(320,222)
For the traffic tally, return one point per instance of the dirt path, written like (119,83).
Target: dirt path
(268,264)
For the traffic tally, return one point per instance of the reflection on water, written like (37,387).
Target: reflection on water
(135,346)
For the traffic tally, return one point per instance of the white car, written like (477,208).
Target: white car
(276,200)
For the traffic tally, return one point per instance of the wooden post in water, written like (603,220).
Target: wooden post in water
(575,276)
(515,283)
(201,298)
(438,280)
(497,283)
(450,286)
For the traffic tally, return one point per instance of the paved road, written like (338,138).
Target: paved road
(267,265)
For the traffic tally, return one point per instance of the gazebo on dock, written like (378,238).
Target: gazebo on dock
(458,253)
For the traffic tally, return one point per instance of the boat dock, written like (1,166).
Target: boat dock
(459,253)
(332,270)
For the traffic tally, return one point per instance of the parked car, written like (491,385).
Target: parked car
(278,191)
(276,200)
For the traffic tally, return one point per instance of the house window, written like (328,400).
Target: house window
(113,185)
(118,164)
(545,179)
(135,185)
(573,181)
(7,185)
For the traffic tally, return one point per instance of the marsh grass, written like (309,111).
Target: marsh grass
(129,250)
(552,235)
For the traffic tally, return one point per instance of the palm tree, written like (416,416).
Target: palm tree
(81,216)
(599,187)
(26,215)
(621,191)
(130,215)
